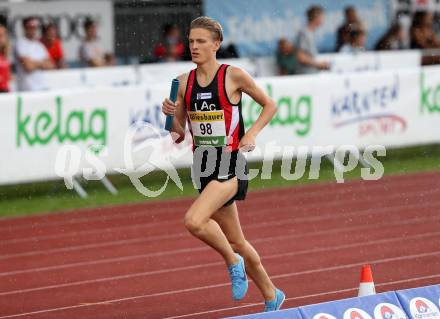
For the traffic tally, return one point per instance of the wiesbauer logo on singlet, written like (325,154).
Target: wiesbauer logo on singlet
(203,117)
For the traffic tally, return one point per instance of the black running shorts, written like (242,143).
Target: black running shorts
(221,165)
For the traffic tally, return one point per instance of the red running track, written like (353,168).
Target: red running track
(137,261)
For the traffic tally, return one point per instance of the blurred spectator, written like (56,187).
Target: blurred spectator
(286,57)
(53,45)
(352,22)
(306,46)
(109,59)
(171,47)
(356,43)
(422,32)
(31,57)
(392,39)
(5,73)
(90,51)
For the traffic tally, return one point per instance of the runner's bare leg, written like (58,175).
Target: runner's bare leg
(198,219)
(228,220)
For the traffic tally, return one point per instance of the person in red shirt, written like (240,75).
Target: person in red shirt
(171,48)
(53,45)
(5,73)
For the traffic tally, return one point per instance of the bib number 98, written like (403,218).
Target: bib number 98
(205,129)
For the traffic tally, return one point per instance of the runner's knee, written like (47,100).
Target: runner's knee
(193,224)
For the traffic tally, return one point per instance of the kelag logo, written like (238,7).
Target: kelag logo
(295,113)
(60,126)
(422,308)
(430,99)
(371,110)
(388,311)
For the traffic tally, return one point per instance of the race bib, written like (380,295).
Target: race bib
(208,128)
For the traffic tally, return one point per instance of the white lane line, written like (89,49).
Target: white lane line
(173,222)
(304,297)
(113,278)
(144,225)
(161,211)
(176,269)
(97,231)
(179,291)
(189,250)
(368,211)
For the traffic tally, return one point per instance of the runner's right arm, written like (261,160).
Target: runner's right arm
(177,109)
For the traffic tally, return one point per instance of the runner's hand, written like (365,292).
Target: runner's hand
(247,143)
(169,107)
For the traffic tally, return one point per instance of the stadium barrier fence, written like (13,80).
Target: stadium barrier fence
(417,303)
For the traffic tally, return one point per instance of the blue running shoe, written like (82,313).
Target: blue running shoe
(276,303)
(239,280)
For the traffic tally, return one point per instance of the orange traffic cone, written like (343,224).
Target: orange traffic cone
(366,287)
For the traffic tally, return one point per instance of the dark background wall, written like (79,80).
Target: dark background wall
(138,24)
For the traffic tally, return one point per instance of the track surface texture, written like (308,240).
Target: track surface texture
(138,261)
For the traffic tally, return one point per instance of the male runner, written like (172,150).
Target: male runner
(209,99)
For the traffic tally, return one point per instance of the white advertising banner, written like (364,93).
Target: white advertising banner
(390,108)
(374,108)
(36,126)
(371,61)
(69,17)
(64,79)
(429,103)
(110,76)
(350,63)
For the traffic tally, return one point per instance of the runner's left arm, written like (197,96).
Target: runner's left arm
(245,83)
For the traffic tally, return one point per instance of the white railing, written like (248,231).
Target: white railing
(258,67)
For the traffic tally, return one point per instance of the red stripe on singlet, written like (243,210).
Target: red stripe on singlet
(224,103)
(188,91)
(187,99)
(235,139)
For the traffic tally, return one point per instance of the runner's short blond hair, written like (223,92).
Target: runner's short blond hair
(209,24)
